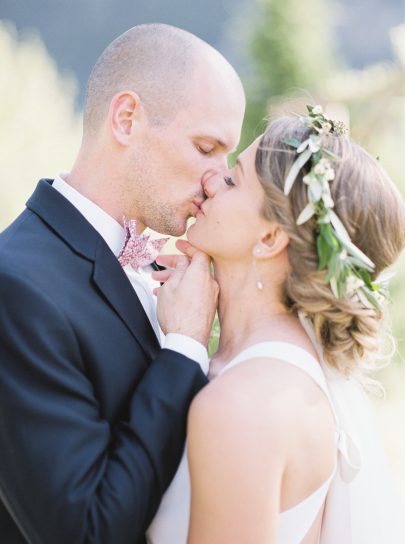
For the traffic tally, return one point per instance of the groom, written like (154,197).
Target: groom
(93,403)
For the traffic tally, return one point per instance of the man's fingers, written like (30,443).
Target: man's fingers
(161,275)
(177,273)
(169,261)
(201,260)
(186,248)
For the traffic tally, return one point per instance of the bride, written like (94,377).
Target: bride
(280,447)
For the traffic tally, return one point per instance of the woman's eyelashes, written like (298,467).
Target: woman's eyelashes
(229,181)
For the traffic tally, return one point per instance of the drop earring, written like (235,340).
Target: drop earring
(259,283)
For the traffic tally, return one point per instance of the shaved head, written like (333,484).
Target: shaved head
(163,110)
(157,62)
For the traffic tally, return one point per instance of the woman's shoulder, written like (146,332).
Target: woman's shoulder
(261,391)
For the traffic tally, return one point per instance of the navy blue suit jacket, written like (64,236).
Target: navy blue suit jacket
(92,411)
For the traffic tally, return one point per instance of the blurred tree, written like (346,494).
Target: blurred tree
(39,128)
(290,47)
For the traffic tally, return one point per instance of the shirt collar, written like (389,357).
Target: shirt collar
(108,228)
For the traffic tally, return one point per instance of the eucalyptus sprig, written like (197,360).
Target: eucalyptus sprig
(348,270)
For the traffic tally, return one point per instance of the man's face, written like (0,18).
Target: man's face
(172,161)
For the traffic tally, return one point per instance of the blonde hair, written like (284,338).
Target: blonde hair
(373,212)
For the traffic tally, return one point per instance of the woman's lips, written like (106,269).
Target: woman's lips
(202,208)
(197,208)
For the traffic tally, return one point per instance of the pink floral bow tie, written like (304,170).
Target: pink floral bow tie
(139,249)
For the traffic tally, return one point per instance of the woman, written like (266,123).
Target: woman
(298,232)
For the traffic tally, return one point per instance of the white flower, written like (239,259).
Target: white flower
(326,127)
(315,191)
(307,179)
(329,174)
(327,200)
(353,283)
(319,169)
(314,143)
(317,110)
(381,299)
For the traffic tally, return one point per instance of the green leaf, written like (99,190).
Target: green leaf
(333,267)
(293,142)
(356,252)
(365,276)
(341,287)
(355,261)
(365,296)
(316,157)
(294,171)
(324,251)
(334,287)
(306,214)
(330,237)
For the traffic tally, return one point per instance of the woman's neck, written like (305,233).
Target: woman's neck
(246,313)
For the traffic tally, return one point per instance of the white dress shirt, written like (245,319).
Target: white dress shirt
(114,236)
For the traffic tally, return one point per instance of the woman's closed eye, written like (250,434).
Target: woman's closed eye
(229,181)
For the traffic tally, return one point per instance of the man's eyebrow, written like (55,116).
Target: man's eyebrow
(220,142)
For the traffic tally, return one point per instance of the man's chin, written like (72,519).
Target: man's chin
(172,229)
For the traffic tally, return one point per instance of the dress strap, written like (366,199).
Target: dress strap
(349,455)
(284,351)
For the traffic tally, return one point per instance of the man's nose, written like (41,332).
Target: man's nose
(219,164)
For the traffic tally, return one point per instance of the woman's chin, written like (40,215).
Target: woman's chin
(194,238)
(190,235)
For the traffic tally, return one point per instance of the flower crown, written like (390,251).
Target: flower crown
(348,268)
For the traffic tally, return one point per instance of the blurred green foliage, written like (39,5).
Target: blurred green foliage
(290,48)
(40,130)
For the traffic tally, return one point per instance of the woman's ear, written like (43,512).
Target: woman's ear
(126,111)
(271,244)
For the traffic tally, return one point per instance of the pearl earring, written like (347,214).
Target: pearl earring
(259,283)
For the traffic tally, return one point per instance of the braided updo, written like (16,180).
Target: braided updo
(373,213)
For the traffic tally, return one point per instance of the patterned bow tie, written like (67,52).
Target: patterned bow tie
(139,249)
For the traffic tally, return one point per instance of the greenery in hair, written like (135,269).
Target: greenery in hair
(348,270)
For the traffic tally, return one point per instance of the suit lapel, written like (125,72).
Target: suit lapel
(71,226)
(112,281)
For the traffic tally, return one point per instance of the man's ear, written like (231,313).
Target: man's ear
(126,111)
(271,244)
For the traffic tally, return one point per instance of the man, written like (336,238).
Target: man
(92,407)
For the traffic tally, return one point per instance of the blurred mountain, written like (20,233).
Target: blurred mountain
(363,29)
(76,32)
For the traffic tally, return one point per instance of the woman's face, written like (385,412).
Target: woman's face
(231,222)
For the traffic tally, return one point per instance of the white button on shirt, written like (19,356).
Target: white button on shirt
(142,282)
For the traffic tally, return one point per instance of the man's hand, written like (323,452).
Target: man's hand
(187,301)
